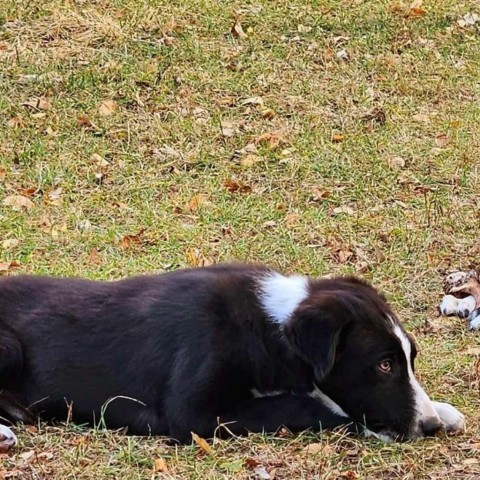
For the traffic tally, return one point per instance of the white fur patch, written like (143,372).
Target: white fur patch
(8,439)
(317,394)
(257,394)
(381,436)
(452,419)
(281,295)
(423,405)
(474,321)
(451,305)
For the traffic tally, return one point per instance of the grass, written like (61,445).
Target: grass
(321,137)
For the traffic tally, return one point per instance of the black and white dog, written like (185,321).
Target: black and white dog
(232,348)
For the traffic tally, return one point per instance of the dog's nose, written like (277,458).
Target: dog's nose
(431,426)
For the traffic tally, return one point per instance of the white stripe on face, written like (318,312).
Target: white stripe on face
(424,407)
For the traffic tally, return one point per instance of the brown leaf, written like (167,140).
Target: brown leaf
(128,240)
(251,463)
(415,8)
(250,159)
(195,258)
(291,219)
(253,101)
(272,139)
(84,121)
(7,266)
(267,113)
(196,201)
(396,163)
(10,243)
(319,194)
(228,129)
(202,443)
(17,202)
(3,174)
(37,104)
(343,255)
(94,258)
(337,138)
(442,140)
(15,122)
(343,209)
(237,30)
(235,187)
(107,108)
(54,197)
(160,465)
(99,160)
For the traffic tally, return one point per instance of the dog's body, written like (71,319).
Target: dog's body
(186,351)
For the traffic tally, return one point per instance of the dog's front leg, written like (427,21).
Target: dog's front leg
(295,412)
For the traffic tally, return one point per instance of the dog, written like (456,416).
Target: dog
(220,350)
(462,297)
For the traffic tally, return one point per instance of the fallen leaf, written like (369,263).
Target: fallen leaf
(195,258)
(442,140)
(415,8)
(160,465)
(272,139)
(3,174)
(127,240)
(342,55)
(468,20)
(10,243)
(84,121)
(228,129)
(267,113)
(250,159)
(396,163)
(421,117)
(343,255)
(196,201)
(269,224)
(262,473)
(202,443)
(253,101)
(7,266)
(37,103)
(337,138)
(15,122)
(237,30)
(107,108)
(291,219)
(94,257)
(99,160)
(166,152)
(473,351)
(54,197)
(314,448)
(235,187)
(318,194)
(29,191)
(251,463)
(17,202)
(343,209)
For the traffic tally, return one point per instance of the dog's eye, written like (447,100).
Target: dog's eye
(385,366)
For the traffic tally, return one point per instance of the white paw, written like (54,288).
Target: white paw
(452,419)
(466,306)
(8,440)
(474,321)
(462,308)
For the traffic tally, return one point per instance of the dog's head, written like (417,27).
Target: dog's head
(362,357)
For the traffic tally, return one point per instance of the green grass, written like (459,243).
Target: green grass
(182,130)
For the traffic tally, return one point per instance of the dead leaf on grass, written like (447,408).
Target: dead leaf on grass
(10,243)
(250,159)
(337,138)
(3,174)
(99,160)
(267,113)
(37,103)
(258,101)
(318,194)
(94,258)
(237,30)
(291,219)
(272,140)
(160,465)
(442,140)
(236,187)
(396,163)
(54,197)
(85,122)
(8,266)
(345,209)
(202,443)
(197,201)
(195,258)
(416,10)
(342,255)
(316,448)
(17,202)
(107,108)
(128,240)
(228,128)
(15,122)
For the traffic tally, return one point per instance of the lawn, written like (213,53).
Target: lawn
(320,137)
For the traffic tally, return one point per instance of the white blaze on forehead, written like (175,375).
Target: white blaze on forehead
(281,295)
(423,405)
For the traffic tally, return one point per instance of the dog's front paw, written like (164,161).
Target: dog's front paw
(453,421)
(8,440)
(474,320)
(461,307)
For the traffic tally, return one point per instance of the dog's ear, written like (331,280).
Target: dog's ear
(314,332)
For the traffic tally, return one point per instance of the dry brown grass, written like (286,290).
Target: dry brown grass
(183,165)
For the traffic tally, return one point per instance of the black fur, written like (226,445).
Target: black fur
(182,352)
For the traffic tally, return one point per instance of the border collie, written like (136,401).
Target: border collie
(226,349)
